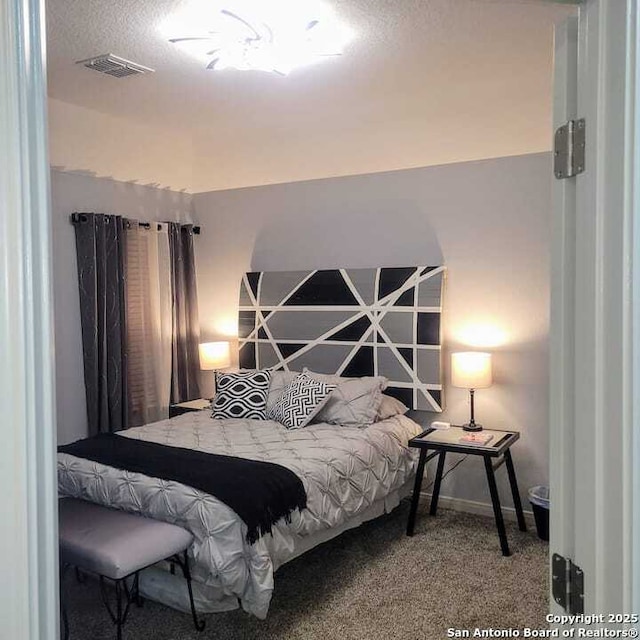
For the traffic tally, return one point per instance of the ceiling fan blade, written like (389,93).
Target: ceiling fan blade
(226,12)
(187,39)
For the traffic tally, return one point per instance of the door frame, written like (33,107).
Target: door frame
(632,201)
(595,366)
(28,606)
(28,526)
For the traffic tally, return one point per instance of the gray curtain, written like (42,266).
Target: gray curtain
(185,363)
(101,275)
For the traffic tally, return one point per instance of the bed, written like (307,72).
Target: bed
(350,473)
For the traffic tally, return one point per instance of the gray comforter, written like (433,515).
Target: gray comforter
(344,471)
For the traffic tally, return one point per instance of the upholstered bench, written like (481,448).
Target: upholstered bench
(117,545)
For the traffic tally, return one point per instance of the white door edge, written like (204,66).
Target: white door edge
(595,328)
(632,203)
(561,347)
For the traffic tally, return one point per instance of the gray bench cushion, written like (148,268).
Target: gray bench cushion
(114,543)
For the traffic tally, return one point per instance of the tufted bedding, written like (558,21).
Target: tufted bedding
(345,471)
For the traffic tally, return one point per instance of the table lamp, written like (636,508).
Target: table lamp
(214,356)
(471,370)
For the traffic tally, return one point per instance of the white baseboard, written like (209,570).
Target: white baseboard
(478,508)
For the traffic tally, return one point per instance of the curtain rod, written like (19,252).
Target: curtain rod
(77,218)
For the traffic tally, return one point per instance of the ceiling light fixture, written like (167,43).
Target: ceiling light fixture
(276,36)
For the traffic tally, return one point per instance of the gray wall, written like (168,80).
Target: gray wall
(487,221)
(72,192)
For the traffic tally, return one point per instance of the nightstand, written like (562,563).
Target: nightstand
(185,407)
(495,453)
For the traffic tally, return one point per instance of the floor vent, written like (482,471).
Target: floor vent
(114,66)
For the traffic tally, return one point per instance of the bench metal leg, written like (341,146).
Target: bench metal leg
(63,604)
(186,572)
(119,620)
(125,595)
(136,591)
(119,617)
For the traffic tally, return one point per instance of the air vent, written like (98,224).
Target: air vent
(114,66)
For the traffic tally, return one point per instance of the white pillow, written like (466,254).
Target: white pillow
(300,402)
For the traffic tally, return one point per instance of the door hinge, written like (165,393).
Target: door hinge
(569,149)
(567,584)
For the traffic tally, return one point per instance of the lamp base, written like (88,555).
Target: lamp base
(472,426)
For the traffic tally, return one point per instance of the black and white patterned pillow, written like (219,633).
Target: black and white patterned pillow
(242,394)
(300,401)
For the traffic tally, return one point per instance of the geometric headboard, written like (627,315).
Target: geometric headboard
(353,322)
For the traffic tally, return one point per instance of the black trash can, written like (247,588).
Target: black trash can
(539,499)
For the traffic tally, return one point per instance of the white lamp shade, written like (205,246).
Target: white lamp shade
(214,355)
(471,370)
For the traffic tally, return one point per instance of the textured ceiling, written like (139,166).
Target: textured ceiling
(415,67)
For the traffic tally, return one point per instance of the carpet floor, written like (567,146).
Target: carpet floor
(370,583)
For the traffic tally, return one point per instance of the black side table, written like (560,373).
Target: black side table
(495,453)
(190,405)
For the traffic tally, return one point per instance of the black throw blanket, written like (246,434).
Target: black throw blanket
(259,492)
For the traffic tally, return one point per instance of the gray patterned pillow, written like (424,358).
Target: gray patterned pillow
(355,401)
(242,394)
(300,402)
(280,380)
(390,407)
